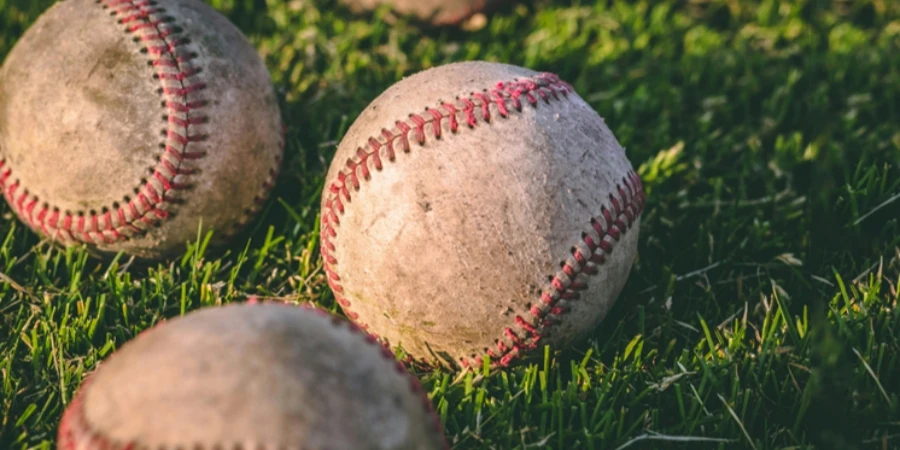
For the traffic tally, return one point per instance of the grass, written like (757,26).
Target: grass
(762,312)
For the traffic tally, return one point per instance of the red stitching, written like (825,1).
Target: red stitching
(546,313)
(181,76)
(420,128)
(404,135)
(120,226)
(143,26)
(140,15)
(436,124)
(74,429)
(565,286)
(469,110)
(451,110)
(155,37)
(112,3)
(183,91)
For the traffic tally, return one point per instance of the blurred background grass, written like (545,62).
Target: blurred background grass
(763,310)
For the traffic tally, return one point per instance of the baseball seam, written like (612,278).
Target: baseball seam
(415,386)
(588,253)
(163,40)
(75,429)
(501,100)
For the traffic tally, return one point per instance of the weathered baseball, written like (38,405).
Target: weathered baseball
(251,376)
(435,12)
(479,209)
(125,124)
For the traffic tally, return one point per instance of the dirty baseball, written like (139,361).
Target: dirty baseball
(127,125)
(479,209)
(252,376)
(434,12)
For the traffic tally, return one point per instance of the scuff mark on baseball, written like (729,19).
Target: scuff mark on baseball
(126,124)
(532,224)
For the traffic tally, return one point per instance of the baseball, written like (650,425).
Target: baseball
(252,376)
(479,209)
(125,125)
(435,12)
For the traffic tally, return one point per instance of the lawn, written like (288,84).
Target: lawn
(762,312)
